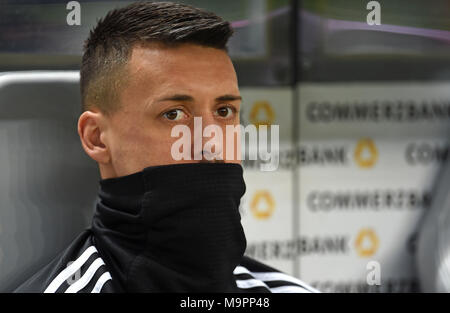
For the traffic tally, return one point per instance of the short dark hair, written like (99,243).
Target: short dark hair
(109,45)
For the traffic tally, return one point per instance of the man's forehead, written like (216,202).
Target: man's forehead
(183,66)
(157,56)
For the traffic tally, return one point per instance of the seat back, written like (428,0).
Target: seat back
(433,244)
(48,184)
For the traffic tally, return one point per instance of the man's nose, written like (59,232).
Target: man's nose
(207,139)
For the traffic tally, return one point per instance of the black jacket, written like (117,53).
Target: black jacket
(165,229)
(94,276)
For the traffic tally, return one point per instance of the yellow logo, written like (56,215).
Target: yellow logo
(262,114)
(366,242)
(366,153)
(262,205)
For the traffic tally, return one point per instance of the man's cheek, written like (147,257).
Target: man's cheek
(163,148)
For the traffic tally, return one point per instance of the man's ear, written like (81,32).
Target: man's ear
(91,131)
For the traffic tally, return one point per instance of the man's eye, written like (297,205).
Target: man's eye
(174,115)
(225,111)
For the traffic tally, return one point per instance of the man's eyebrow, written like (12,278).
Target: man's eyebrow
(188,98)
(225,98)
(177,97)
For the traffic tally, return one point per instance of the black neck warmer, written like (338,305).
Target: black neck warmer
(172,228)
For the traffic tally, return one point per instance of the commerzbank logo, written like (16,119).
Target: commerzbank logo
(366,153)
(262,205)
(366,243)
(262,113)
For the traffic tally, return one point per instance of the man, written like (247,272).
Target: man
(161,224)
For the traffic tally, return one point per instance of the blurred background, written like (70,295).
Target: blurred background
(359,202)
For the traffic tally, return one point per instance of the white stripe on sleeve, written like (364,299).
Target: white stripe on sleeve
(70,270)
(273,276)
(289,289)
(100,282)
(250,283)
(86,278)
